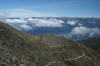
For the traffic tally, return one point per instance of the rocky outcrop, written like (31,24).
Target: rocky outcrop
(21,49)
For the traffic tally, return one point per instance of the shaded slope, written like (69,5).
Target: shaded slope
(93,43)
(21,49)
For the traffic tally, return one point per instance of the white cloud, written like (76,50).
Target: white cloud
(46,22)
(27,13)
(80,24)
(83,31)
(16,21)
(24,26)
(30,23)
(73,22)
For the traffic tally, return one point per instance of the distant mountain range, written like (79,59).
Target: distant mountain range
(74,28)
(20,49)
(93,43)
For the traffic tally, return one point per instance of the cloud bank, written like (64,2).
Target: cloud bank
(83,31)
(73,22)
(16,21)
(46,22)
(30,23)
(24,26)
(72,29)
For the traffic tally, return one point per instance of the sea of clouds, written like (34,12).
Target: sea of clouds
(78,28)
(30,23)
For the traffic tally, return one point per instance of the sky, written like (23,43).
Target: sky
(50,8)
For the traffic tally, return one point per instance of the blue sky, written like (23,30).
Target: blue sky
(49,8)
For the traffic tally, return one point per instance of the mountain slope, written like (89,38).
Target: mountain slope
(93,43)
(21,49)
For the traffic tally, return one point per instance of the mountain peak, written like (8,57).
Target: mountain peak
(20,49)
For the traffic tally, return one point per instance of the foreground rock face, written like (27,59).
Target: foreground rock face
(21,49)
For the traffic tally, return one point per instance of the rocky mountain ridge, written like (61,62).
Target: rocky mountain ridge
(20,49)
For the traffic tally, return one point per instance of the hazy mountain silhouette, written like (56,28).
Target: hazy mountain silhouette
(93,43)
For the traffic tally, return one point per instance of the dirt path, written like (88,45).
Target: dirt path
(68,59)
